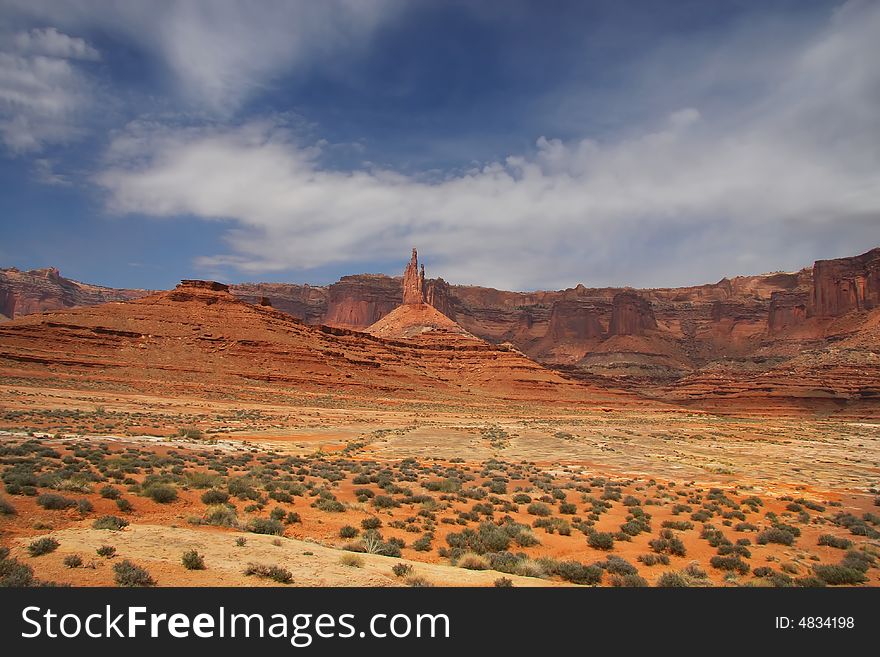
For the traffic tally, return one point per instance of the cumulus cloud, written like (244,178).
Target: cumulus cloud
(222,52)
(43,89)
(689,197)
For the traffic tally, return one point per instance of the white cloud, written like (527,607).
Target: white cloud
(43,90)
(222,52)
(700,194)
(52,43)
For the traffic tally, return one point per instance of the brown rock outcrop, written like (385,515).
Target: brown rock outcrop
(358,301)
(414,281)
(787,309)
(39,290)
(846,284)
(631,314)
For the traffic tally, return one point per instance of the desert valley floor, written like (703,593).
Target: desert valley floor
(520,493)
(192,438)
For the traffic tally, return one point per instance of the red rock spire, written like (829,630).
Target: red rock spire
(414,281)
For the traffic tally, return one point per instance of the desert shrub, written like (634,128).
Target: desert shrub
(384,502)
(632,580)
(539,509)
(668,543)
(695,571)
(106,551)
(42,546)
(84,506)
(568,508)
(371,523)
(573,571)
(109,493)
(701,515)
(351,560)
(522,498)
(127,573)
(15,574)
(654,559)
(503,583)
(618,566)
(858,560)
(6,508)
(161,493)
(55,502)
(730,563)
(630,500)
(241,541)
(680,525)
(124,505)
(215,496)
(674,579)
(745,527)
(275,573)
(600,540)
(833,541)
(348,531)
(73,561)
(423,543)
(775,535)
(402,569)
(836,575)
(220,516)
(110,522)
(472,561)
(192,560)
(417,581)
(265,526)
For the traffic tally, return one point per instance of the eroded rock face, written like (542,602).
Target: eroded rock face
(846,284)
(631,314)
(787,309)
(189,283)
(574,320)
(40,290)
(414,281)
(360,301)
(7,303)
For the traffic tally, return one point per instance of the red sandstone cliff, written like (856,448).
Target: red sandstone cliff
(39,290)
(846,284)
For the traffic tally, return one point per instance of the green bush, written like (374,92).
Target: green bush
(838,574)
(124,505)
(628,581)
(348,532)
(371,523)
(539,509)
(110,522)
(265,526)
(106,551)
(55,502)
(833,541)
(42,546)
(215,496)
(730,563)
(674,579)
(110,493)
(127,573)
(6,508)
(775,535)
(161,493)
(73,561)
(600,540)
(192,560)
(654,559)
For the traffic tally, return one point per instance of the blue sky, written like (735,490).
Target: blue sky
(521,145)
